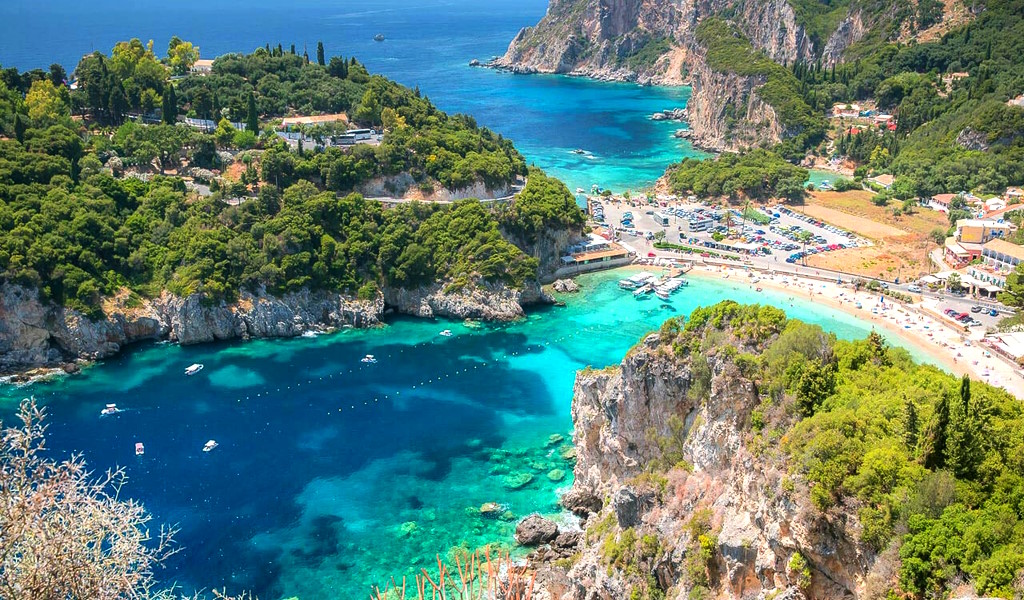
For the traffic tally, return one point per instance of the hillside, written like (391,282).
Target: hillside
(739,454)
(767,73)
(115,231)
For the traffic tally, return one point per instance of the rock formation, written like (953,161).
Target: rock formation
(36,334)
(654,42)
(722,519)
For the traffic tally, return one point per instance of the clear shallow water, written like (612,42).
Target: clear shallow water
(331,474)
(429,44)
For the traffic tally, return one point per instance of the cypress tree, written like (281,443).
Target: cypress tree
(911,425)
(320,54)
(170,105)
(252,121)
(933,450)
(962,455)
(292,50)
(280,50)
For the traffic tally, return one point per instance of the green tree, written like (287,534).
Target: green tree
(252,120)
(46,102)
(1013,291)
(962,455)
(181,55)
(320,54)
(170,105)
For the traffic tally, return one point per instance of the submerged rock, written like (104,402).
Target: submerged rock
(556,475)
(568,454)
(554,439)
(517,480)
(491,510)
(535,530)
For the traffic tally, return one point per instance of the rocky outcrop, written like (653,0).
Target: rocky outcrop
(535,530)
(490,302)
(604,39)
(850,30)
(35,334)
(726,112)
(698,408)
(565,286)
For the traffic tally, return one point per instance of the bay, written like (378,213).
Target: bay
(332,474)
(429,44)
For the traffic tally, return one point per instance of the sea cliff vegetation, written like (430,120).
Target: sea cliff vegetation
(930,465)
(92,204)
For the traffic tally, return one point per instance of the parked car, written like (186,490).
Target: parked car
(993,312)
(915,289)
(976,309)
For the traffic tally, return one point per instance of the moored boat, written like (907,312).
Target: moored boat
(446,333)
(638,280)
(110,409)
(210,445)
(193,369)
(369,359)
(139,449)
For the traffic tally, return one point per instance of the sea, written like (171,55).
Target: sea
(428,43)
(332,474)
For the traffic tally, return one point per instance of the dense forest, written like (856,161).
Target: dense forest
(757,175)
(931,466)
(93,203)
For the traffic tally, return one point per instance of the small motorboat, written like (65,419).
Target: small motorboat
(579,151)
(210,445)
(139,449)
(193,369)
(446,333)
(369,359)
(379,37)
(110,409)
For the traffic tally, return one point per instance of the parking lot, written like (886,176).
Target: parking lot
(777,231)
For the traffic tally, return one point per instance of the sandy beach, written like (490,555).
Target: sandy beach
(955,350)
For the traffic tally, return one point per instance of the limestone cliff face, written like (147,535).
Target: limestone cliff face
(703,410)
(725,110)
(35,334)
(597,38)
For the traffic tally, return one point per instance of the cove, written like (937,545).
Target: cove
(429,44)
(332,474)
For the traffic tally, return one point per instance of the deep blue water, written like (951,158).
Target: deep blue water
(429,44)
(331,474)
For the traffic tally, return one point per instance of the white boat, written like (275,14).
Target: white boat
(110,409)
(643,290)
(193,369)
(446,333)
(139,449)
(669,286)
(638,280)
(580,191)
(210,445)
(369,358)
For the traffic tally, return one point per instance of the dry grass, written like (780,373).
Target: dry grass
(901,244)
(476,576)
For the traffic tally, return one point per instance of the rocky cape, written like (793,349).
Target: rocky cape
(641,540)
(653,42)
(37,337)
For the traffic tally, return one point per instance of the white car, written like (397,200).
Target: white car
(915,289)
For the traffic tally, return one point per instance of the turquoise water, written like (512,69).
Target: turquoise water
(332,474)
(429,44)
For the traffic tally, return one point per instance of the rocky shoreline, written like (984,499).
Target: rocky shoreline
(645,528)
(38,339)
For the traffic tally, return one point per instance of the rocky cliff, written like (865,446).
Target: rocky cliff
(654,42)
(35,334)
(681,500)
